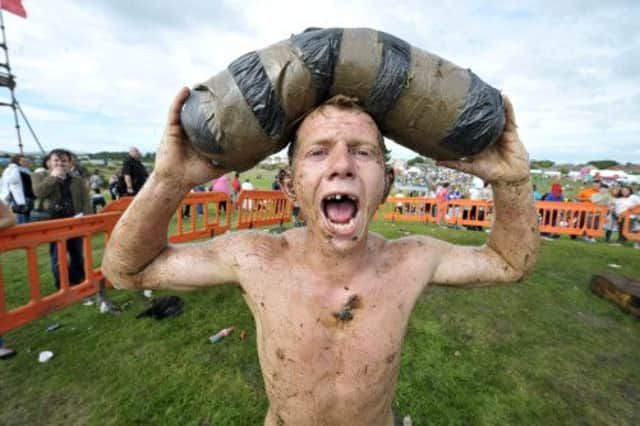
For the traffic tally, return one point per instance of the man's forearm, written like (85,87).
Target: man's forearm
(141,233)
(515,234)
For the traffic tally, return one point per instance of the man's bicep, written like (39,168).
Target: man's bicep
(192,266)
(459,265)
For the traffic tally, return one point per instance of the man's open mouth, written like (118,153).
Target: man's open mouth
(341,211)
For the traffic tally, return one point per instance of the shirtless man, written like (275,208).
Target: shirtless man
(331,301)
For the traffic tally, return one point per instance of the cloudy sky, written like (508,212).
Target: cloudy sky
(100,75)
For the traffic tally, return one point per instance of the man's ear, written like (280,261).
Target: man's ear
(389,176)
(286,184)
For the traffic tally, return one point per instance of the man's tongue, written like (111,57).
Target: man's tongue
(340,211)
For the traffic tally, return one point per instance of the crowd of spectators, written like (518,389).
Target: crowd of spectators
(616,198)
(445,184)
(432,176)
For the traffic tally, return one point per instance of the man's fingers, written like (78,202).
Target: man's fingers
(510,115)
(176,106)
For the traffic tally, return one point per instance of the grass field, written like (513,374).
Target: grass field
(543,352)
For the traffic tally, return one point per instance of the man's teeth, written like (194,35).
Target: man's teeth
(338,197)
(343,226)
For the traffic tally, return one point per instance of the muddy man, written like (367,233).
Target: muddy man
(332,300)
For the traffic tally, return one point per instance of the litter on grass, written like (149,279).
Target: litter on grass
(45,356)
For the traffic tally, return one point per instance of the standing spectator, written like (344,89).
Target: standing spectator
(77,168)
(62,194)
(604,198)
(97,200)
(186,210)
(586,193)
(476,193)
(222,185)
(17,190)
(455,194)
(199,206)
(442,198)
(584,196)
(114,182)
(536,194)
(555,194)
(235,185)
(133,172)
(625,201)
(95,180)
(247,185)
(7,219)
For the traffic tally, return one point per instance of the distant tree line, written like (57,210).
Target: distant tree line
(120,156)
(599,164)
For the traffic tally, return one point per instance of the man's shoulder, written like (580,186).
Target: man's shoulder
(252,243)
(77,179)
(10,170)
(128,162)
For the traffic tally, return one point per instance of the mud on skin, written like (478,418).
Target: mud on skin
(345,314)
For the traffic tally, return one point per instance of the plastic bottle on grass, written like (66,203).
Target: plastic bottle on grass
(220,335)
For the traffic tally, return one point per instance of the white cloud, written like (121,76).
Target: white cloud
(100,75)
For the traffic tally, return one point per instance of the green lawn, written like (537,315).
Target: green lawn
(545,351)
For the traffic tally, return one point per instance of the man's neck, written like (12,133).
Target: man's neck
(323,259)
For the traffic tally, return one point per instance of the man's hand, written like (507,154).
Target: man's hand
(505,161)
(176,161)
(58,172)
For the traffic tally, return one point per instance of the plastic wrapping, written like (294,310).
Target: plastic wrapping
(418,99)
(252,80)
(319,51)
(391,77)
(480,118)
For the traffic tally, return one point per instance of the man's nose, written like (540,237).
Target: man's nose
(342,164)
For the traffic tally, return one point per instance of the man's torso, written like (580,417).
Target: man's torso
(329,346)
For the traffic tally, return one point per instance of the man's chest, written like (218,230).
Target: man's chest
(304,319)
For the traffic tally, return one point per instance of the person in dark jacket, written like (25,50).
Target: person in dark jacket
(61,194)
(134,173)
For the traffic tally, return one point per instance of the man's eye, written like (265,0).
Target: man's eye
(316,152)
(362,152)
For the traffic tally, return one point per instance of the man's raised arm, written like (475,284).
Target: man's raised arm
(138,254)
(511,250)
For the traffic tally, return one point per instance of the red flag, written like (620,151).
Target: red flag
(13,6)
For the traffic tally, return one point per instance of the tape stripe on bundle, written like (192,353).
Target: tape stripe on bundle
(480,119)
(256,88)
(391,77)
(319,50)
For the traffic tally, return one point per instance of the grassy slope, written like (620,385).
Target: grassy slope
(545,351)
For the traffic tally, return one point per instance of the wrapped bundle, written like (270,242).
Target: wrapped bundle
(419,100)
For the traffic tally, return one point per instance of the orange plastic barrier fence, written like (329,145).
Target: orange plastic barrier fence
(469,213)
(409,209)
(631,224)
(209,206)
(580,219)
(254,209)
(555,217)
(261,208)
(454,212)
(28,237)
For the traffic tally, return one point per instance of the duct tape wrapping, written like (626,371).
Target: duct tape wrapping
(246,112)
